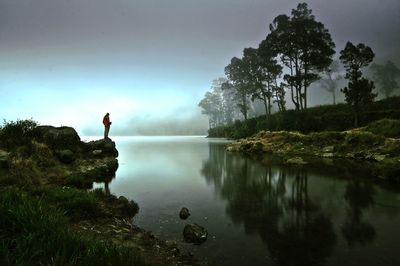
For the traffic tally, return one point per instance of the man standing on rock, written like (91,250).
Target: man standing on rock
(107,124)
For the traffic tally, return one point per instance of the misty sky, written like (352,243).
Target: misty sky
(68,62)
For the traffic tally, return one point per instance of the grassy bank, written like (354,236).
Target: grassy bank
(337,117)
(35,230)
(380,154)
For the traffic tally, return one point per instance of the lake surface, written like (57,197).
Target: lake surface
(258,214)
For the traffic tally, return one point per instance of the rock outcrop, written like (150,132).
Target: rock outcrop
(103,147)
(59,138)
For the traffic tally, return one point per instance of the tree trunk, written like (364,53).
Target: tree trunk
(305,96)
(334,96)
(265,104)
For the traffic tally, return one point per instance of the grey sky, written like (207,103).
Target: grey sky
(140,50)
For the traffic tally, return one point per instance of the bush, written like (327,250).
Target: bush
(337,121)
(16,134)
(337,117)
(33,232)
(78,181)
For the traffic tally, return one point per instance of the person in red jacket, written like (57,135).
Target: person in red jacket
(107,124)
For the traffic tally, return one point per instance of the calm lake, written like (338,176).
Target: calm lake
(258,214)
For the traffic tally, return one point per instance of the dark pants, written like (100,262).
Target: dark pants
(106,130)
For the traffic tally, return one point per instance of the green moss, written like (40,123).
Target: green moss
(363,139)
(325,138)
(385,127)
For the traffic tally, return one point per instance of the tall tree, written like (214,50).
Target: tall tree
(263,71)
(359,91)
(237,73)
(304,46)
(330,79)
(386,76)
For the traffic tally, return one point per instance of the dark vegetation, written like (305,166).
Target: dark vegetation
(337,117)
(37,209)
(297,52)
(33,231)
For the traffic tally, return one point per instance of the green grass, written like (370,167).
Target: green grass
(76,204)
(34,233)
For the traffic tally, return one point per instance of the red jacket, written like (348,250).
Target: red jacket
(106,120)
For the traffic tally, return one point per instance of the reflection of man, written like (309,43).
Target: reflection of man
(107,124)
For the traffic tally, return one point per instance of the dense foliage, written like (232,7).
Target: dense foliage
(358,93)
(297,51)
(322,118)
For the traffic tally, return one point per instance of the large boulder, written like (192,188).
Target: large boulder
(105,147)
(60,138)
(194,233)
(65,156)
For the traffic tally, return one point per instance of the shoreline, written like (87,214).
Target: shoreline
(379,154)
(58,168)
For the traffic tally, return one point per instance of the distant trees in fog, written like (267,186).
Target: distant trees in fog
(330,78)
(385,76)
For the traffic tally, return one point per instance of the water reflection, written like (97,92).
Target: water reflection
(259,214)
(359,196)
(273,203)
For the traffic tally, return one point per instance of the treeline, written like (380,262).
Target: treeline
(337,117)
(297,52)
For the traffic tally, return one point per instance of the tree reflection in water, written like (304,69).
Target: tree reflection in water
(273,203)
(359,196)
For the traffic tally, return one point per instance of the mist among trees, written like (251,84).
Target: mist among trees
(297,52)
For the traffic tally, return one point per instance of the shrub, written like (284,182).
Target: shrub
(78,181)
(16,134)
(337,117)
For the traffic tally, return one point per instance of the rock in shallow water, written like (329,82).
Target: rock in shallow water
(184,213)
(194,233)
